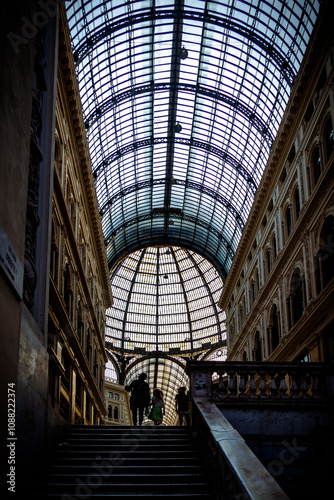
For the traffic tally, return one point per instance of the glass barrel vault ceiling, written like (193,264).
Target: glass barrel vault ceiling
(182,100)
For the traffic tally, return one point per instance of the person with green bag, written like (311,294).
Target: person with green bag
(158,407)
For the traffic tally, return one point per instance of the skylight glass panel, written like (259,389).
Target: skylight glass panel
(223,71)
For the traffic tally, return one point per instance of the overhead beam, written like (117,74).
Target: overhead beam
(172,107)
(204,146)
(225,22)
(249,113)
(180,182)
(182,216)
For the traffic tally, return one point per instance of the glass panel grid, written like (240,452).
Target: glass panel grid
(229,93)
(165,296)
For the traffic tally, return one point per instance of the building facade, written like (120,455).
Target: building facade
(117,403)
(79,287)
(54,280)
(278,296)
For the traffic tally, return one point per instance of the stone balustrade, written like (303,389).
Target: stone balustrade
(245,414)
(262,381)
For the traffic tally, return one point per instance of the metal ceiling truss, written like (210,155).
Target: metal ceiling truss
(223,22)
(158,213)
(199,90)
(203,146)
(188,184)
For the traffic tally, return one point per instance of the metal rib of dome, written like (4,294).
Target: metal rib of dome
(182,100)
(165,301)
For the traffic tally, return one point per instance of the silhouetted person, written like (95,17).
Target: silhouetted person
(158,407)
(182,405)
(140,397)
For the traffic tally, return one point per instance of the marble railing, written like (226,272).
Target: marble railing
(262,381)
(221,391)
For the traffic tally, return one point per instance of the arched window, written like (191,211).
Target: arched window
(274,246)
(273,330)
(297,296)
(257,351)
(268,260)
(54,258)
(297,203)
(329,139)
(325,256)
(242,313)
(88,347)
(80,322)
(253,291)
(116,413)
(288,218)
(109,411)
(316,164)
(67,290)
(58,158)
(111,373)
(257,281)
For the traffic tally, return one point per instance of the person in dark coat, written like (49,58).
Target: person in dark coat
(140,397)
(182,405)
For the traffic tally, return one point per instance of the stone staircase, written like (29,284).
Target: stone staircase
(99,462)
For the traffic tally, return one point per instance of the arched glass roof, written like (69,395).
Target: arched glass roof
(182,101)
(165,301)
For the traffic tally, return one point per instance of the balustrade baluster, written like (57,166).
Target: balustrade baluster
(283,387)
(315,388)
(273,387)
(232,385)
(252,386)
(222,386)
(304,387)
(294,387)
(242,385)
(263,386)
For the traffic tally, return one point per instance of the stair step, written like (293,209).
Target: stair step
(86,447)
(152,470)
(116,456)
(176,495)
(100,462)
(124,438)
(109,430)
(131,478)
(132,486)
(131,459)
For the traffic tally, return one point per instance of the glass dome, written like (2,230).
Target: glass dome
(165,311)
(165,300)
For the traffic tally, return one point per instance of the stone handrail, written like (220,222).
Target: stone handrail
(262,381)
(235,471)
(217,387)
